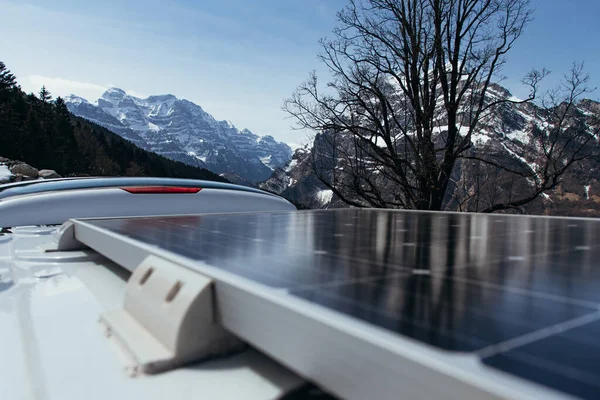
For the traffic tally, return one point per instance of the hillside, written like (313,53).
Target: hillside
(41,131)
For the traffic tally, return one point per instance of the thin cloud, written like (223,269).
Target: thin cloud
(64,87)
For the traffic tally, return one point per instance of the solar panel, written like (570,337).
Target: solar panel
(516,293)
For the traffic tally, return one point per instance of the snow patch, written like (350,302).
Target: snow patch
(153,127)
(266,161)
(532,166)
(479,138)
(5,174)
(291,165)
(586,190)
(325,196)
(546,197)
(379,142)
(520,136)
(197,157)
(76,100)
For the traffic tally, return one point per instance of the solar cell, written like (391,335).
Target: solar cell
(510,289)
(567,361)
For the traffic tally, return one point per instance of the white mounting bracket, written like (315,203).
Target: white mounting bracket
(65,239)
(168,318)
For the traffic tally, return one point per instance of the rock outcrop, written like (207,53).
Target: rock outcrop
(25,170)
(17,171)
(48,174)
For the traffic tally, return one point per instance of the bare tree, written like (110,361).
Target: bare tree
(413,84)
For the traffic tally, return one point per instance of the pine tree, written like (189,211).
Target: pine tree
(7,80)
(63,139)
(134,169)
(45,95)
(9,114)
(32,143)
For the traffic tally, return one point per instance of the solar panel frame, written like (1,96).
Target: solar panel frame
(400,363)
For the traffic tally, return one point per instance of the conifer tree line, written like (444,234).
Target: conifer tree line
(41,131)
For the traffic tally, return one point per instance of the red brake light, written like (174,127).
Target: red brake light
(160,189)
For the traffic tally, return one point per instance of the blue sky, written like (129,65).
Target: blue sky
(238,59)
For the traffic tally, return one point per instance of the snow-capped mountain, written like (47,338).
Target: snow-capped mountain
(183,131)
(509,134)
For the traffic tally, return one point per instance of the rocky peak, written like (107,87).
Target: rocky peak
(497,90)
(268,140)
(114,95)
(161,98)
(590,106)
(75,100)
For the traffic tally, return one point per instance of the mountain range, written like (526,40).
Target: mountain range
(37,130)
(509,133)
(181,130)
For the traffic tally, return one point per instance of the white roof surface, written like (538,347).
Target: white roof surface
(53,346)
